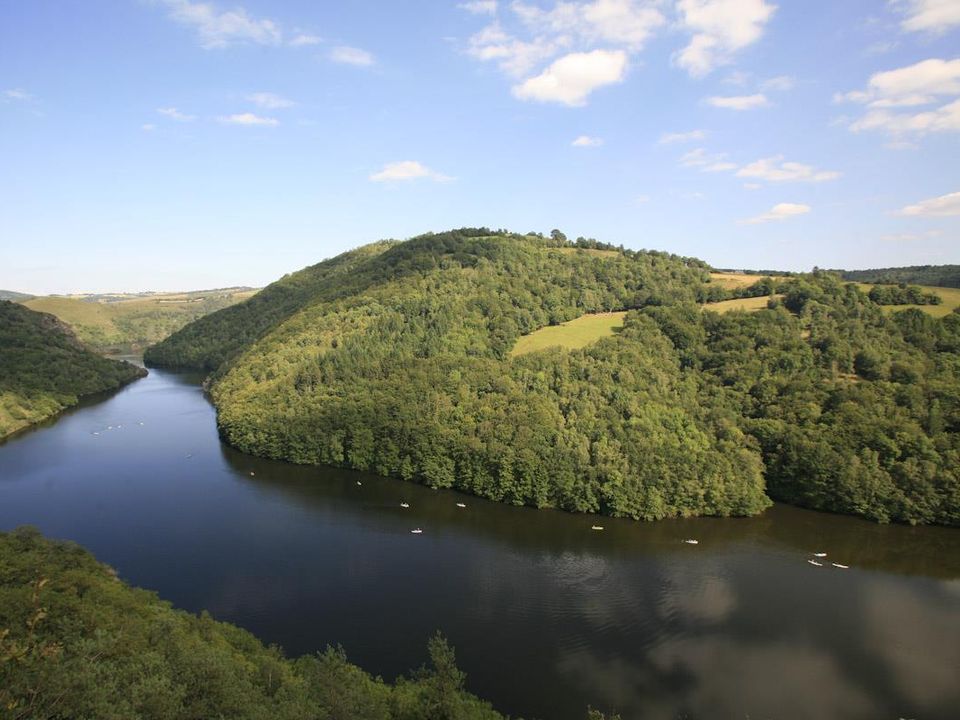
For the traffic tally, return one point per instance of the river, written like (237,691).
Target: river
(547,615)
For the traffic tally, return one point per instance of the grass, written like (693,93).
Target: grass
(732,281)
(131,322)
(570,335)
(951,300)
(748,304)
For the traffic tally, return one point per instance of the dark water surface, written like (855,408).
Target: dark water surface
(547,615)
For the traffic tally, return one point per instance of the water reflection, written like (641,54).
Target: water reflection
(546,614)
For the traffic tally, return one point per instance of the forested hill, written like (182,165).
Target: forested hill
(939,275)
(44,368)
(397,359)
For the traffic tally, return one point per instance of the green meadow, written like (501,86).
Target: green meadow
(570,335)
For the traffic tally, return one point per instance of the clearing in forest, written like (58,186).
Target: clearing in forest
(951,300)
(748,304)
(572,334)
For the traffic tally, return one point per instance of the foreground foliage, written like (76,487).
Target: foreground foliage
(44,368)
(75,642)
(396,358)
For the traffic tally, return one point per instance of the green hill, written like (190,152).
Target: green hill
(14,296)
(125,323)
(75,642)
(403,359)
(44,368)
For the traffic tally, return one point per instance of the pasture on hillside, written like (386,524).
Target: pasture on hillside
(950,296)
(570,335)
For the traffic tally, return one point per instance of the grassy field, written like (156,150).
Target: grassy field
(570,335)
(732,281)
(951,300)
(125,323)
(748,304)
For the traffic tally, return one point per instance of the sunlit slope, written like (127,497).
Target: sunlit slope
(215,338)
(950,297)
(128,323)
(570,335)
(402,367)
(402,361)
(44,368)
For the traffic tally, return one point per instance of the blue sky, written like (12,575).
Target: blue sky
(178,144)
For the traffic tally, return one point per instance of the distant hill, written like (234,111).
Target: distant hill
(44,368)
(124,323)
(14,296)
(406,359)
(939,275)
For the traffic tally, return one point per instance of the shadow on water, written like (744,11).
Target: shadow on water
(547,615)
(925,551)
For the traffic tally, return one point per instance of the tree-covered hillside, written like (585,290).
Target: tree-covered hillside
(44,368)
(397,359)
(939,275)
(77,643)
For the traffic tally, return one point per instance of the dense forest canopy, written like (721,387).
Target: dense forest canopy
(939,275)
(395,358)
(44,368)
(75,642)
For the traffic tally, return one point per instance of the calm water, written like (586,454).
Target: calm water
(546,615)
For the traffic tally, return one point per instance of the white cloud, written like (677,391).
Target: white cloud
(581,32)
(218,29)
(752,186)
(148,127)
(351,56)
(780,211)
(682,137)
(17,94)
(406,170)
(480,7)
(572,78)
(248,119)
(304,40)
(772,169)
(641,199)
(514,57)
(926,83)
(619,22)
(934,16)
(174,114)
(707,162)
(944,206)
(269,101)
(720,28)
(739,102)
(587,141)
(781,83)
